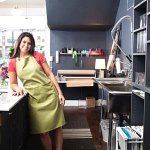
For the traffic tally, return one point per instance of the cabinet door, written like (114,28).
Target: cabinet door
(19,124)
(14,128)
(6,131)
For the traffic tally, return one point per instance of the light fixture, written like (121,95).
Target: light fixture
(26,10)
(100,65)
(16,11)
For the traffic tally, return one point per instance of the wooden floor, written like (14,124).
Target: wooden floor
(77,119)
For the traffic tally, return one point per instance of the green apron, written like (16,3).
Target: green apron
(45,111)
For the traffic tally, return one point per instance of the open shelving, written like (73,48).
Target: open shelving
(141,69)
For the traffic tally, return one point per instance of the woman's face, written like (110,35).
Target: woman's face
(25,45)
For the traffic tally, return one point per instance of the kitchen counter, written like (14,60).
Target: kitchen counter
(4,89)
(8,101)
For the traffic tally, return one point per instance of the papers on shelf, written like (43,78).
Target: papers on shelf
(133,132)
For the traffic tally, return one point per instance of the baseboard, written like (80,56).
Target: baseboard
(80,103)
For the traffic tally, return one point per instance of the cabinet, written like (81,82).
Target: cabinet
(79,93)
(14,126)
(141,69)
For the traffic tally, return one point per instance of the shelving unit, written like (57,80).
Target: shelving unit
(141,69)
(80,54)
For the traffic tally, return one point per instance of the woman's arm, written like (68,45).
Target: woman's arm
(49,73)
(14,84)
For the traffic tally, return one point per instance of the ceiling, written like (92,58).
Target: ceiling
(28,7)
(32,12)
(23,3)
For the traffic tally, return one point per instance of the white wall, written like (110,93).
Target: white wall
(37,20)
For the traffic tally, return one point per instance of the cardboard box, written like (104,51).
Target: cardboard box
(90,102)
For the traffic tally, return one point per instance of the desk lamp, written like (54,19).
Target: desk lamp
(100,65)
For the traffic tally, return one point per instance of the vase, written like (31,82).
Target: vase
(3,83)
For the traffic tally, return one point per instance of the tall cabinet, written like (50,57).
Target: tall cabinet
(140,112)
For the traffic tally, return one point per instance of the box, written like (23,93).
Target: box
(90,102)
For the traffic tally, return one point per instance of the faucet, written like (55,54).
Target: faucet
(127,71)
(127,82)
(130,72)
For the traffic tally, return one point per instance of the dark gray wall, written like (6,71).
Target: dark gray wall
(79,40)
(90,39)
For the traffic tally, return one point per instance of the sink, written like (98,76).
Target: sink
(119,96)
(118,88)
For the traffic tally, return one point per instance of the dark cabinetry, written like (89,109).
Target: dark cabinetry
(141,69)
(79,93)
(81,14)
(14,126)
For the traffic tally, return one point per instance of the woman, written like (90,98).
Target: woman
(45,96)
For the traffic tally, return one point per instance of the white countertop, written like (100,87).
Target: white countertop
(7,101)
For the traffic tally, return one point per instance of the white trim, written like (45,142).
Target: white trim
(80,103)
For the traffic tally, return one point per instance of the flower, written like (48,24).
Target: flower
(3,75)
(4,72)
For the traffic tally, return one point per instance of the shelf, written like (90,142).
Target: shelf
(140,4)
(140,29)
(148,13)
(82,54)
(139,54)
(148,42)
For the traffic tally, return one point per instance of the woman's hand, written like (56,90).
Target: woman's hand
(61,99)
(18,91)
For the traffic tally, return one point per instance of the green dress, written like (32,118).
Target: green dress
(45,111)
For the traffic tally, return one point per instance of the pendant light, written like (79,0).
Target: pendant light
(26,11)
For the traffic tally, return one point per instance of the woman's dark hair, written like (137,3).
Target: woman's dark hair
(17,46)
